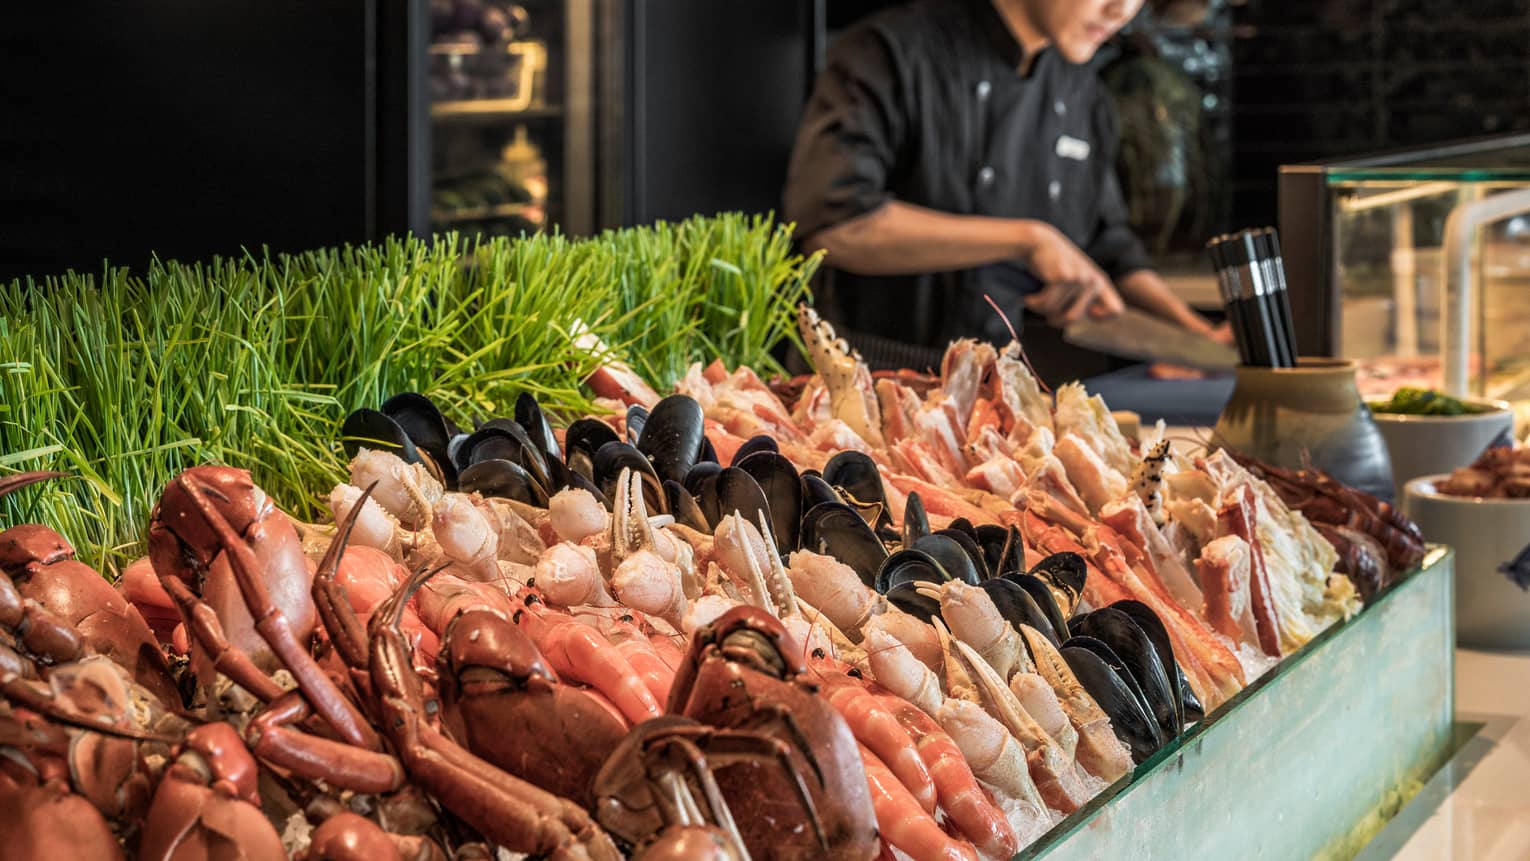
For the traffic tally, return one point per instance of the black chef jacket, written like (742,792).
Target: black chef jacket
(924,103)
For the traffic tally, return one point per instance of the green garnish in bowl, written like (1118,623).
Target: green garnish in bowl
(1425,402)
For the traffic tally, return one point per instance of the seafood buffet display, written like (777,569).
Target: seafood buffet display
(880,621)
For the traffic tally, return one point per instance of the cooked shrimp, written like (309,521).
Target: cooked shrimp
(579,653)
(877,728)
(903,823)
(971,809)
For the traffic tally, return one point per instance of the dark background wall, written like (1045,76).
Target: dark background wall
(1321,78)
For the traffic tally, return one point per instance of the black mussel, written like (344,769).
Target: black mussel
(737,492)
(1003,549)
(1019,608)
(951,556)
(704,469)
(759,442)
(962,524)
(899,579)
(916,524)
(560,476)
(974,552)
(1190,709)
(1131,723)
(815,490)
(834,529)
(425,425)
(1115,662)
(708,453)
(705,494)
(587,435)
(371,429)
(503,478)
(783,492)
(685,508)
(1046,601)
(528,414)
(672,436)
(855,475)
(530,454)
(637,417)
(1065,572)
(612,458)
(1131,644)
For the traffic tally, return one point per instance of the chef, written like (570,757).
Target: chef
(954,150)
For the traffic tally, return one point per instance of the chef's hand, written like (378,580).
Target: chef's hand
(1074,285)
(1223,334)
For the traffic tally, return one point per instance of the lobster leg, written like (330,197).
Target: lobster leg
(203,627)
(319,688)
(329,598)
(272,739)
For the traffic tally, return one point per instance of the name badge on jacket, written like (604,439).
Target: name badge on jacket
(1071,147)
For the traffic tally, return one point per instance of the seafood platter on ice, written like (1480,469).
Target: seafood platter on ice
(928,618)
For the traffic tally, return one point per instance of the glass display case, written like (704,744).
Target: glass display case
(511,131)
(1416,264)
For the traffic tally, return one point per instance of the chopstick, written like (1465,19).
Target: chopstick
(1251,277)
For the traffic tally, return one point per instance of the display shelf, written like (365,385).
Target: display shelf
(493,109)
(1308,761)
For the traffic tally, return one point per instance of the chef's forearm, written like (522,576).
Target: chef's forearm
(1145,290)
(903,239)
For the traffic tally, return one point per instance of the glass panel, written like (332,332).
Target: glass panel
(497,111)
(1309,760)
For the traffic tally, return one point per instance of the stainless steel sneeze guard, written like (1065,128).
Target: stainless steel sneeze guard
(1310,760)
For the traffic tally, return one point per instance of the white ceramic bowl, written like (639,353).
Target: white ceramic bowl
(1429,445)
(1492,612)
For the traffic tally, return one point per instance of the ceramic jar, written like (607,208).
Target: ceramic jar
(1278,414)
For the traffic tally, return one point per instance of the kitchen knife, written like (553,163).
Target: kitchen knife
(1137,335)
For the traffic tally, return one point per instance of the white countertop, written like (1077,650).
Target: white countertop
(1477,806)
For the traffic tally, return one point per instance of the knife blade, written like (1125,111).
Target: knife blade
(1137,335)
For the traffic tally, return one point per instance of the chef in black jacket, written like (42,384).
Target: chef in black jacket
(954,149)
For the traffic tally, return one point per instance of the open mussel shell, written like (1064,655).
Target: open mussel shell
(1128,719)
(505,439)
(685,508)
(637,417)
(1003,549)
(759,442)
(430,430)
(708,453)
(1019,608)
(1190,709)
(899,578)
(962,524)
(952,557)
(782,487)
(815,490)
(1065,573)
(855,475)
(502,478)
(672,436)
(528,414)
(916,524)
(834,529)
(1131,644)
(612,458)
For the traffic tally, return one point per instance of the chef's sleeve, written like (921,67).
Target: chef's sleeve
(1114,247)
(851,130)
